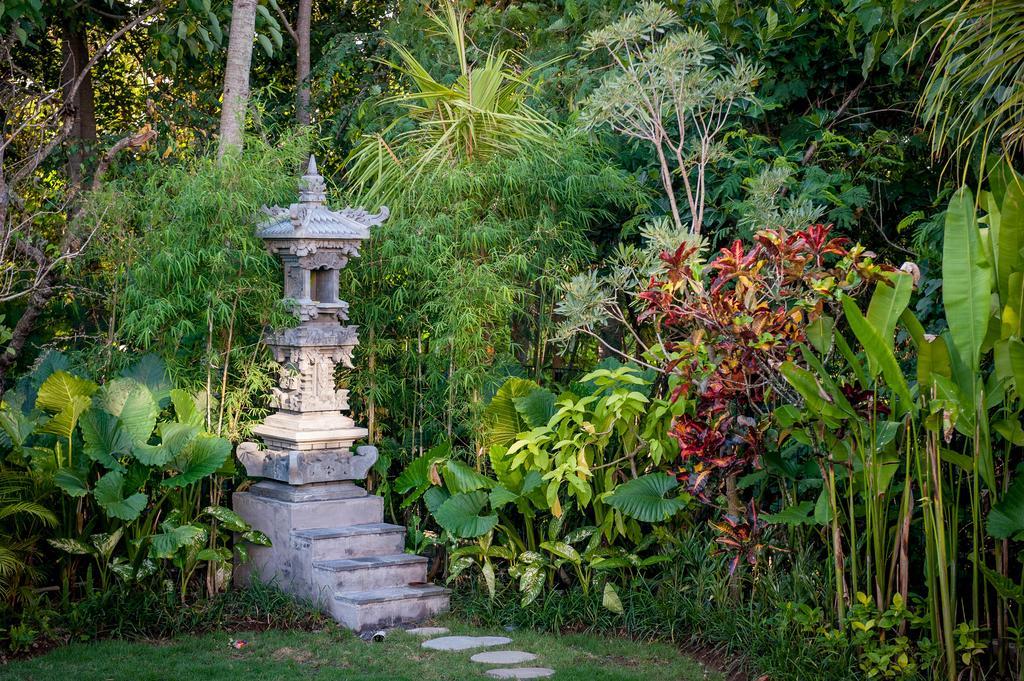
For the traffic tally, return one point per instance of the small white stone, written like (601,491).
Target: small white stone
(465,642)
(427,631)
(503,657)
(521,673)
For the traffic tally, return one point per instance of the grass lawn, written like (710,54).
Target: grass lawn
(337,654)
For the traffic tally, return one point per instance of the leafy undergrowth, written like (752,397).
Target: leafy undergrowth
(333,653)
(134,614)
(753,639)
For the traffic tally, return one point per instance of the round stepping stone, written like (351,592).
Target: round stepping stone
(427,631)
(521,673)
(465,642)
(503,657)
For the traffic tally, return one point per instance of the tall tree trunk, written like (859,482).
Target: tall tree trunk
(79,103)
(236,75)
(303,24)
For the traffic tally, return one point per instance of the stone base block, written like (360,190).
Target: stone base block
(297,467)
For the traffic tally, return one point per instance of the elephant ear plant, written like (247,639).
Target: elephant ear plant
(132,477)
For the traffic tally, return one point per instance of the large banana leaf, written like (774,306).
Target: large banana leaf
(966,279)
(888,303)
(880,354)
(1010,238)
(1006,520)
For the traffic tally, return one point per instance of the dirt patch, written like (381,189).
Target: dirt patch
(294,654)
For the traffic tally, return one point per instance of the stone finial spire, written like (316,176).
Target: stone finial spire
(312,188)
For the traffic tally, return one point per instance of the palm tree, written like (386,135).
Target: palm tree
(484,112)
(973,100)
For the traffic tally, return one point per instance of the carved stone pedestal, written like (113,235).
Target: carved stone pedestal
(329,541)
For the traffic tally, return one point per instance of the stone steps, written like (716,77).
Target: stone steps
(388,607)
(370,572)
(338,551)
(351,541)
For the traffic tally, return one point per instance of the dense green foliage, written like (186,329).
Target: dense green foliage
(633,341)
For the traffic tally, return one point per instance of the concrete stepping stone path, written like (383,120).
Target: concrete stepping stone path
(455,643)
(503,657)
(521,673)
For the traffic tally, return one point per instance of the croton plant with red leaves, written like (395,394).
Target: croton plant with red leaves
(725,327)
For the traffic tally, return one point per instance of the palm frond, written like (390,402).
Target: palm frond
(973,101)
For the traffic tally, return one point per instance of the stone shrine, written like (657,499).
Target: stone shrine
(329,539)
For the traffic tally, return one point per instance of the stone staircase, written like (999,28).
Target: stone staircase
(330,544)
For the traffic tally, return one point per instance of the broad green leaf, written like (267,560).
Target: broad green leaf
(1013,307)
(797,514)
(562,550)
(823,509)
(175,437)
(610,599)
(203,457)
(644,498)
(1011,430)
(434,497)
(186,408)
(501,420)
(1010,239)
(63,423)
(165,544)
(807,385)
(1006,519)
(1009,362)
(256,537)
(459,477)
(460,515)
(415,475)
(932,360)
(531,583)
(151,371)
(131,402)
(966,279)
(151,455)
(820,333)
(104,440)
(537,407)
(109,494)
(214,555)
(228,518)
(879,351)
(72,546)
(60,390)
(71,482)
(888,302)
